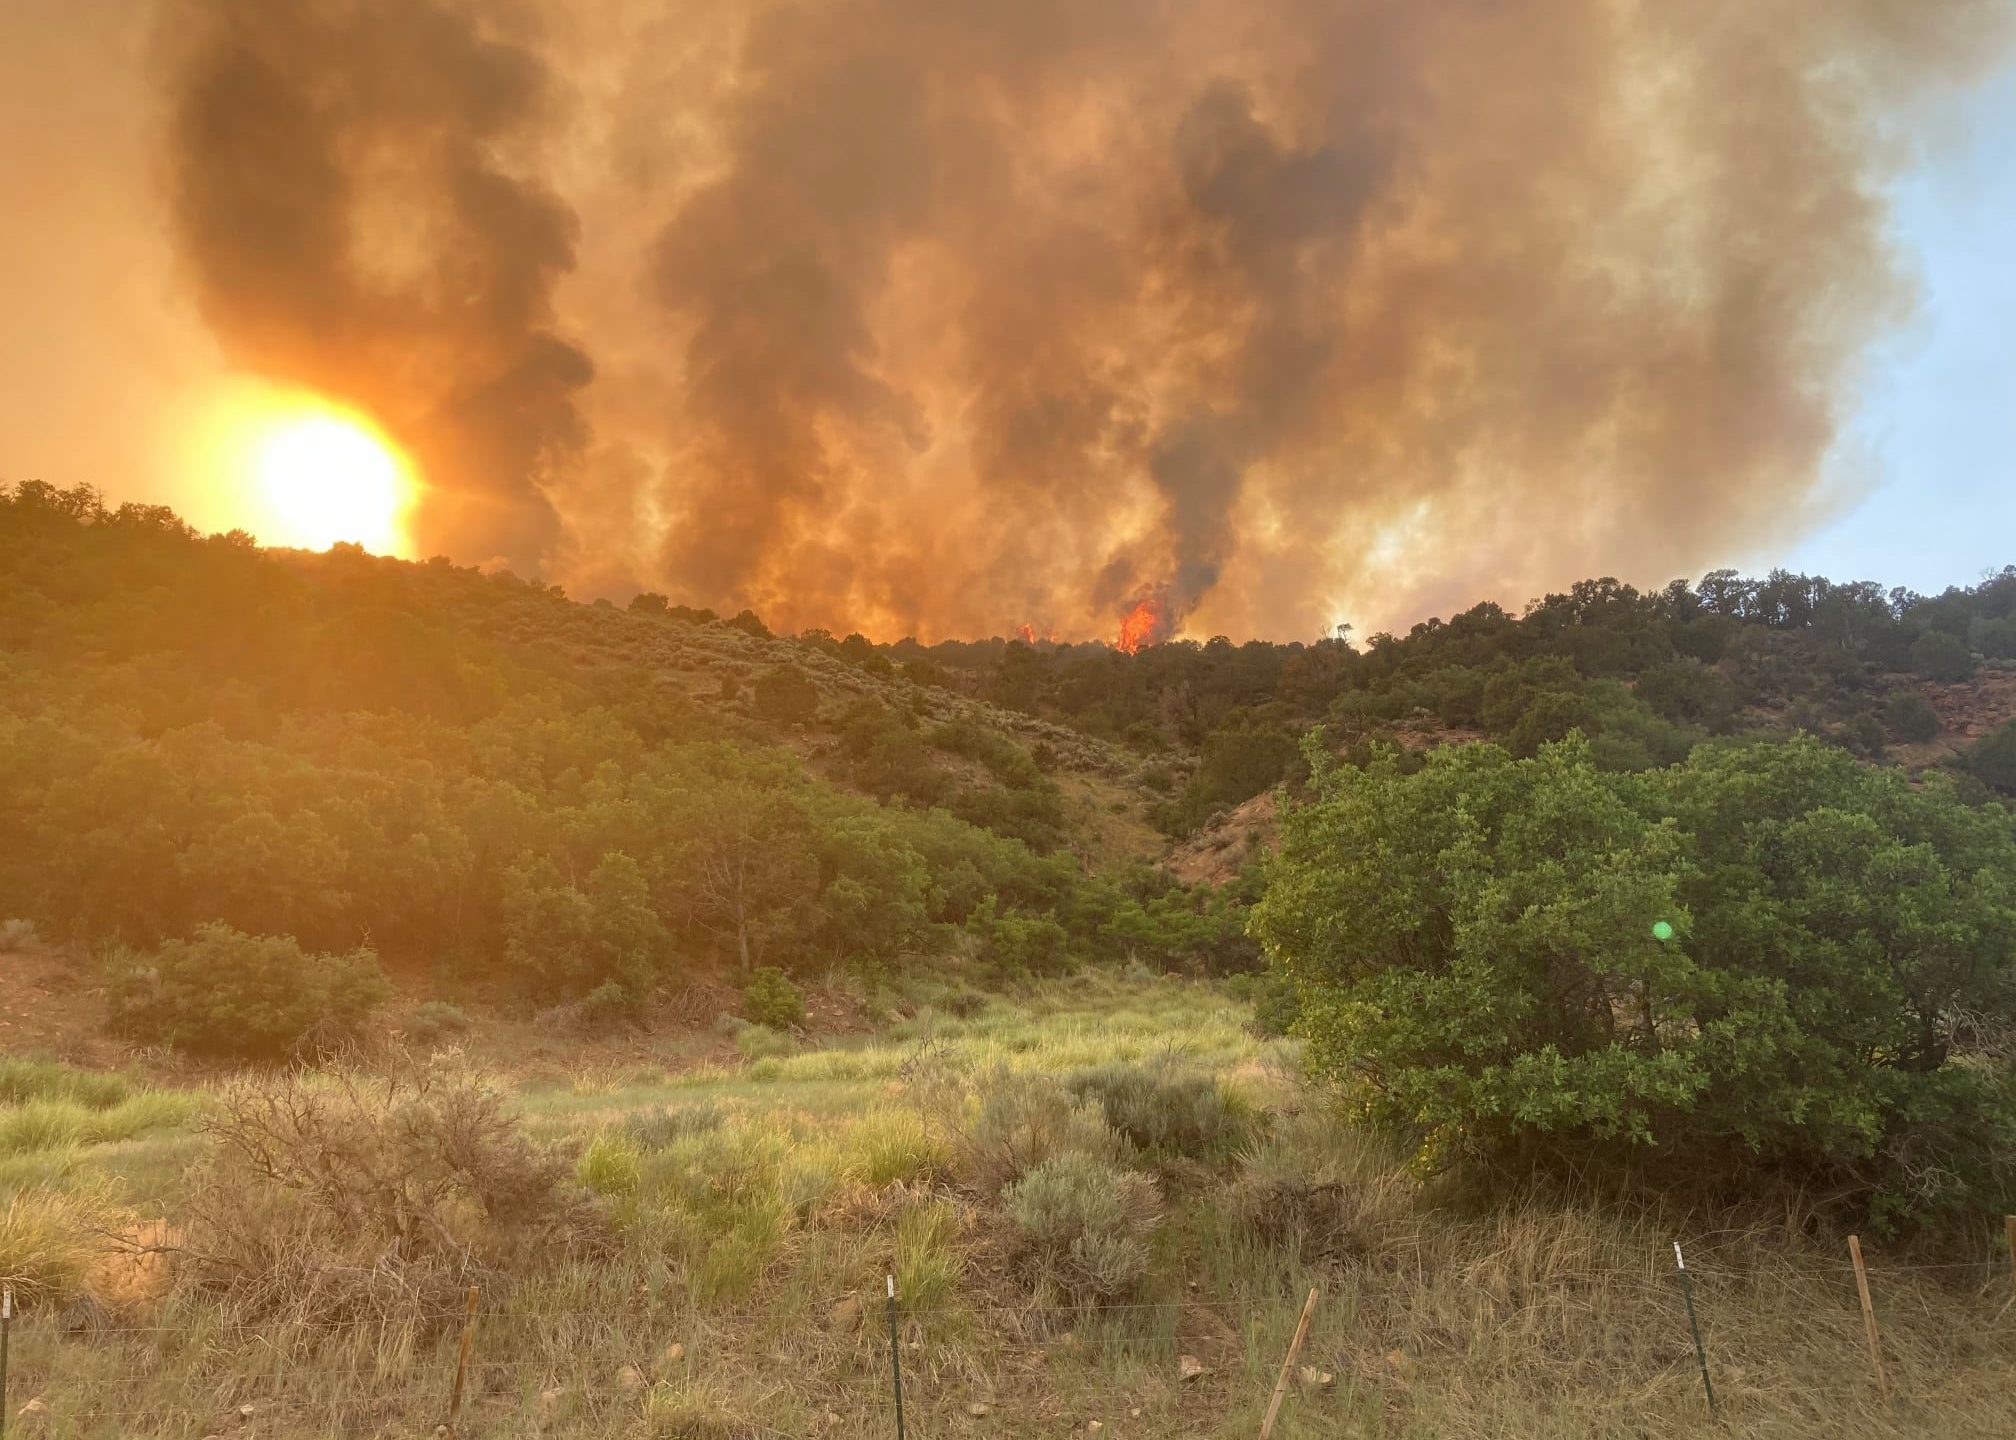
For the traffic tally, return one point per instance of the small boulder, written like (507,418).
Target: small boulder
(1189,1367)
(844,1316)
(979,1409)
(630,1379)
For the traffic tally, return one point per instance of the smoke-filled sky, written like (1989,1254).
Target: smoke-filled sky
(945,316)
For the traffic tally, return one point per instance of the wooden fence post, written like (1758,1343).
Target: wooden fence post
(462,1363)
(1869,1317)
(6,1332)
(1288,1365)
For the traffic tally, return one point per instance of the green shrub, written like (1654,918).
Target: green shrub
(771,999)
(1992,758)
(1165,1113)
(1910,718)
(1939,656)
(1475,949)
(229,993)
(1861,735)
(1087,1223)
(607,1006)
(786,695)
(434,1020)
(1006,1123)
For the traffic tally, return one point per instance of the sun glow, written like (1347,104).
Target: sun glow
(296,470)
(326,476)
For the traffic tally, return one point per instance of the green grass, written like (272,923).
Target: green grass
(23,1079)
(756,1208)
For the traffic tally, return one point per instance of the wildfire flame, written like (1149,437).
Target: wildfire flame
(1144,624)
(1026,634)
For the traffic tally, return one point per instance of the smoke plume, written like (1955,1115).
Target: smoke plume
(947,316)
(342,204)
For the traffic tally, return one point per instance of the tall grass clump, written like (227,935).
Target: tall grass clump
(611,1165)
(891,1145)
(928,1262)
(43,1125)
(23,1080)
(49,1240)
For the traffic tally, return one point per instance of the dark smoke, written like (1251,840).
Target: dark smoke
(341,204)
(926,313)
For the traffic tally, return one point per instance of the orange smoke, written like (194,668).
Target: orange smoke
(1274,311)
(1146,624)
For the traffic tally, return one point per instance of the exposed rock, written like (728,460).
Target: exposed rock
(845,1315)
(1189,1367)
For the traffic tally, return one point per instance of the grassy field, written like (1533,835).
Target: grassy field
(749,1212)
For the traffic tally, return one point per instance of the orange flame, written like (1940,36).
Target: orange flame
(1026,634)
(1144,624)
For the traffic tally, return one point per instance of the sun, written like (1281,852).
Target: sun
(325,475)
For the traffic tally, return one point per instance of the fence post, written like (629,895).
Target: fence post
(1288,1365)
(462,1362)
(2009,1226)
(1694,1324)
(6,1332)
(1869,1317)
(895,1358)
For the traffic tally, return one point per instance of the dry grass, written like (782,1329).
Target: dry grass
(757,1210)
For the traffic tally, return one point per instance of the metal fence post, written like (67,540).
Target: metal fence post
(895,1358)
(1693,1324)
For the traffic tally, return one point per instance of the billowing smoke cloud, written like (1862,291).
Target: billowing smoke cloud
(342,201)
(944,316)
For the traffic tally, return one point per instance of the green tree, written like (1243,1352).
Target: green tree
(1474,950)
(571,939)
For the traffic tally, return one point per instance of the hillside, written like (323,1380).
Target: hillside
(400,926)
(482,779)
(1891,676)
